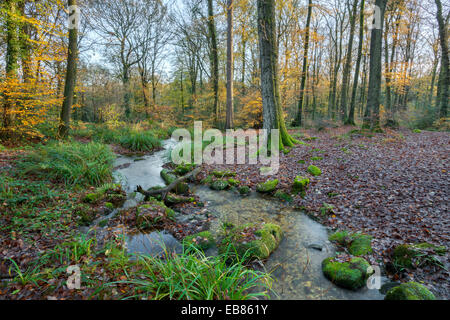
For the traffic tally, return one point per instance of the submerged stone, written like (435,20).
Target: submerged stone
(203,240)
(350,275)
(252,241)
(410,291)
(219,185)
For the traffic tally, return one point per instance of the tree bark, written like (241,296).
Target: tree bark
(299,119)
(372,120)
(351,113)
(230,65)
(214,60)
(69,87)
(445,72)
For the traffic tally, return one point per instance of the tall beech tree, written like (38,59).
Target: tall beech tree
(230,66)
(298,121)
(372,116)
(444,80)
(71,71)
(273,117)
(213,57)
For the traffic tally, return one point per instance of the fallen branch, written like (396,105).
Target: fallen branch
(166,190)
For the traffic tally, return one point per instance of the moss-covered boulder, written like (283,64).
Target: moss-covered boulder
(176,199)
(203,240)
(268,186)
(233,182)
(112,193)
(153,215)
(219,185)
(410,256)
(184,169)
(252,241)
(244,190)
(315,171)
(410,291)
(300,184)
(223,174)
(358,244)
(351,275)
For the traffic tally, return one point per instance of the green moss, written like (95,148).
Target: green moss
(219,185)
(358,244)
(109,205)
(111,193)
(316,158)
(85,214)
(183,169)
(315,171)
(91,198)
(176,199)
(268,186)
(169,177)
(417,131)
(103,223)
(350,275)
(410,291)
(233,182)
(283,196)
(244,190)
(301,161)
(208,180)
(300,184)
(265,240)
(412,256)
(223,174)
(203,240)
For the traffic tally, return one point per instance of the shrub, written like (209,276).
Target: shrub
(71,162)
(140,141)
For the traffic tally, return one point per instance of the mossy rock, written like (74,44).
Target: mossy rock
(233,182)
(358,244)
(184,169)
(350,275)
(109,206)
(224,174)
(410,256)
(219,185)
(203,240)
(268,186)
(244,190)
(208,180)
(300,184)
(283,196)
(315,171)
(252,241)
(410,291)
(417,131)
(91,198)
(112,193)
(85,213)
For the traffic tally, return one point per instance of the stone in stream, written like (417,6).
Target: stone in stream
(268,186)
(410,291)
(154,244)
(316,246)
(351,274)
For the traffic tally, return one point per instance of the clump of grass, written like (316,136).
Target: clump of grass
(193,276)
(71,162)
(140,141)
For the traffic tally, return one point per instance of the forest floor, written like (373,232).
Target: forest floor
(393,186)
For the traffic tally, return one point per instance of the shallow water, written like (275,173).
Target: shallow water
(295,265)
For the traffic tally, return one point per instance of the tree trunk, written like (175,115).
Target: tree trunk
(445,72)
(272,112)
(12,57)
(299,120)
(372,120)
(230,66)
(347,66)
(69,87)
(351,114)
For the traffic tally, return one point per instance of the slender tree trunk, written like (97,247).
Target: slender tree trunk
(351,114)
(373,100)
(298,122)
(69,87)
(347,66)
(213,57)
(445,72)
(12,57)
(230,66)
